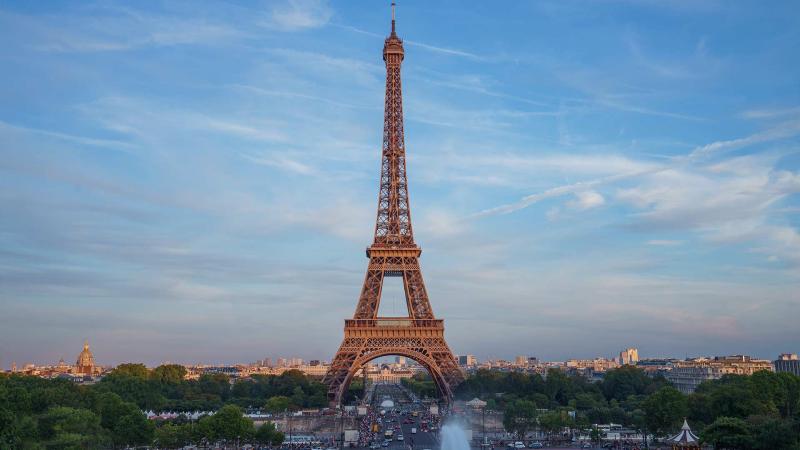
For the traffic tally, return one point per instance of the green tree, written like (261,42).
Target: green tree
(170,435)
(266,434)
(133,430)
(596,435)
(520,417)
(728,433)
(10,434)
(277,404)
(553,421)
(131,370)
(133,388)
(621,383)
(771,433)
(733,396)
(67,428)
(298,397)
(216,384)
(227,424)
(664,410)
(169,373)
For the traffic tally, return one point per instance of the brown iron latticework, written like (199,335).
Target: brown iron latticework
(420,336)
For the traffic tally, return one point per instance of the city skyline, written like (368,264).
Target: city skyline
(287,360)
(582,180)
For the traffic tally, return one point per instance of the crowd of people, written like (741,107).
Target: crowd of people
(365,431)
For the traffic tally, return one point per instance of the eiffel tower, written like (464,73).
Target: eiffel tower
(418,336)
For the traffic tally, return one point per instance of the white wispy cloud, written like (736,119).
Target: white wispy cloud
(121,29)
(781,131)
(768,113)
(82,140)
(586,200)
(283,163)
(778,132)
(299,14)
(664,242)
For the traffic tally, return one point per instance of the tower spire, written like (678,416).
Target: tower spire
(393,33)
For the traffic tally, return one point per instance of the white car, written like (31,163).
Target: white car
(399,437)
(519,444)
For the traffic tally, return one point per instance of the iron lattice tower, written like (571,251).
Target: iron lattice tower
(393,253)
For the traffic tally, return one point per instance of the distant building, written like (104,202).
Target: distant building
(629,356)
(788,362)
(231,371)
(386,375)
(687,375)
(313,362)
(521,361)
(596,364)
(656,366)
(400,360)
(467,361)
(85,363)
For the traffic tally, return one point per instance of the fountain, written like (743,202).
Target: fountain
(454,437)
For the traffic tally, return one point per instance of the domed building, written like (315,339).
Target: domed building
(85,363)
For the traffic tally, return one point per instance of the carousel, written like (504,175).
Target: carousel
(685,439)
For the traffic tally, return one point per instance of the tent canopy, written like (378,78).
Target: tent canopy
(685,437)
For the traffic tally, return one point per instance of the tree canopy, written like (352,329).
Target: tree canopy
(60,414)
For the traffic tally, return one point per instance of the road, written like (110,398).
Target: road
(402,423)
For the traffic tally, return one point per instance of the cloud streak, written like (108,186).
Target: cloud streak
(781,131)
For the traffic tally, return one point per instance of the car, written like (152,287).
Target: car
(536,445)
(375,445)
(399,437)
(385,443)
(519,444)
(586,445)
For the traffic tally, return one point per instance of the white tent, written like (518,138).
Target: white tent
(685,439)
(476,403)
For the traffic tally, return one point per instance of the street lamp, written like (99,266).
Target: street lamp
(341,425)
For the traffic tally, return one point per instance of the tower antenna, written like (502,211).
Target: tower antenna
(393,4)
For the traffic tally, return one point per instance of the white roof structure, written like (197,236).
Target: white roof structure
(387,404)
(685,438)
(476,403)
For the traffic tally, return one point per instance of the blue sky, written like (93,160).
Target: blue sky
(197,182)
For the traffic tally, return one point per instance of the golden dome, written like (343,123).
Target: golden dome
(85,363)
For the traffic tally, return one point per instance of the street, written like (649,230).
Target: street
(394,411)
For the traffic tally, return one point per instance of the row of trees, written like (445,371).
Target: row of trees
(227,425)
(36,412)
(164,388)
(761,411)
(58,414)
(421,384)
